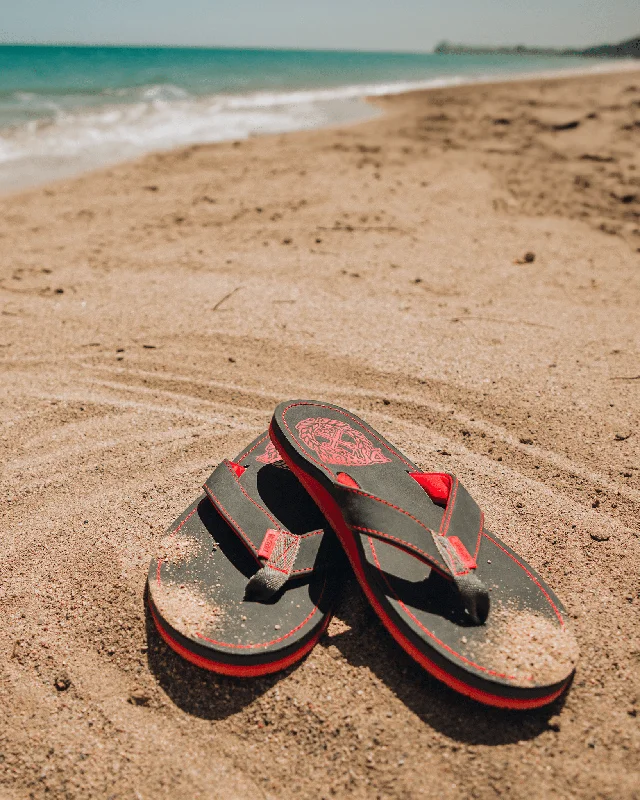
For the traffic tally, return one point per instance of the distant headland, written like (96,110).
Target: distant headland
(627,49)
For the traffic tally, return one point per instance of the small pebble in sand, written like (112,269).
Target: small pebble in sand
(62,682)
(599,536)
(529,257)
(139,698)
(554,723)
(621,437)
(525,440)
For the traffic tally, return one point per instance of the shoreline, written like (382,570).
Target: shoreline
(461,272)
(342,105)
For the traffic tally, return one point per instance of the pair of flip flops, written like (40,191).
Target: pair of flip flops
(247,577)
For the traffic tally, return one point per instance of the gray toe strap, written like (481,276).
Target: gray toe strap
(474,596)
(278,553)
(473,592)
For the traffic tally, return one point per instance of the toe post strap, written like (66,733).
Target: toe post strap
(473,592)
(280,554)
(450,551)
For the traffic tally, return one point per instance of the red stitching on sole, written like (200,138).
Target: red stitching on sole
(249,671)
(533,578)
(273,641)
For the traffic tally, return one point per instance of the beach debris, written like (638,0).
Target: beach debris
(621,437)
(597,157)
(612,230)
(599,536)
(226,296)
(566,126)
(62,682)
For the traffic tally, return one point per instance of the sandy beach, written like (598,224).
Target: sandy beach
(463,272)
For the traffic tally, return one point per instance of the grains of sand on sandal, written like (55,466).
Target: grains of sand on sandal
(528,647)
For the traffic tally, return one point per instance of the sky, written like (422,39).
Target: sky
(401,25)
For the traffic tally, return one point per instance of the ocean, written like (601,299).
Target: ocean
(64,110)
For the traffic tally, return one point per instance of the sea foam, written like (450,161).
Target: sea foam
(59,136)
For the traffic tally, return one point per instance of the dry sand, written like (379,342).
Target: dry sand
(152,316)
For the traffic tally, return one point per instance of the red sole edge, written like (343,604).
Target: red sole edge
(331,511)
(249,671)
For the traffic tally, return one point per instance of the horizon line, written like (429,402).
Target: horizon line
(285,48)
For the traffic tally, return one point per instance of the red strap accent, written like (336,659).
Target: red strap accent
(436,484)
(268,543)
(347,480)
(237,468)
(465,556)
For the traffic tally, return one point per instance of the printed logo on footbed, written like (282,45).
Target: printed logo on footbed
(336,442)
(270,455)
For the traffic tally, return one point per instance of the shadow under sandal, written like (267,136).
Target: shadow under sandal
(246,578)
(470,610)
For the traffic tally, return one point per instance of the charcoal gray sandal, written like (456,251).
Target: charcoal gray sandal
(469,609)
(246,577)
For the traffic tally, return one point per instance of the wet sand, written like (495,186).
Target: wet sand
(464,272)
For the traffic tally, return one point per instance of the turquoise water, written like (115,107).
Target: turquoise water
(64,109)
